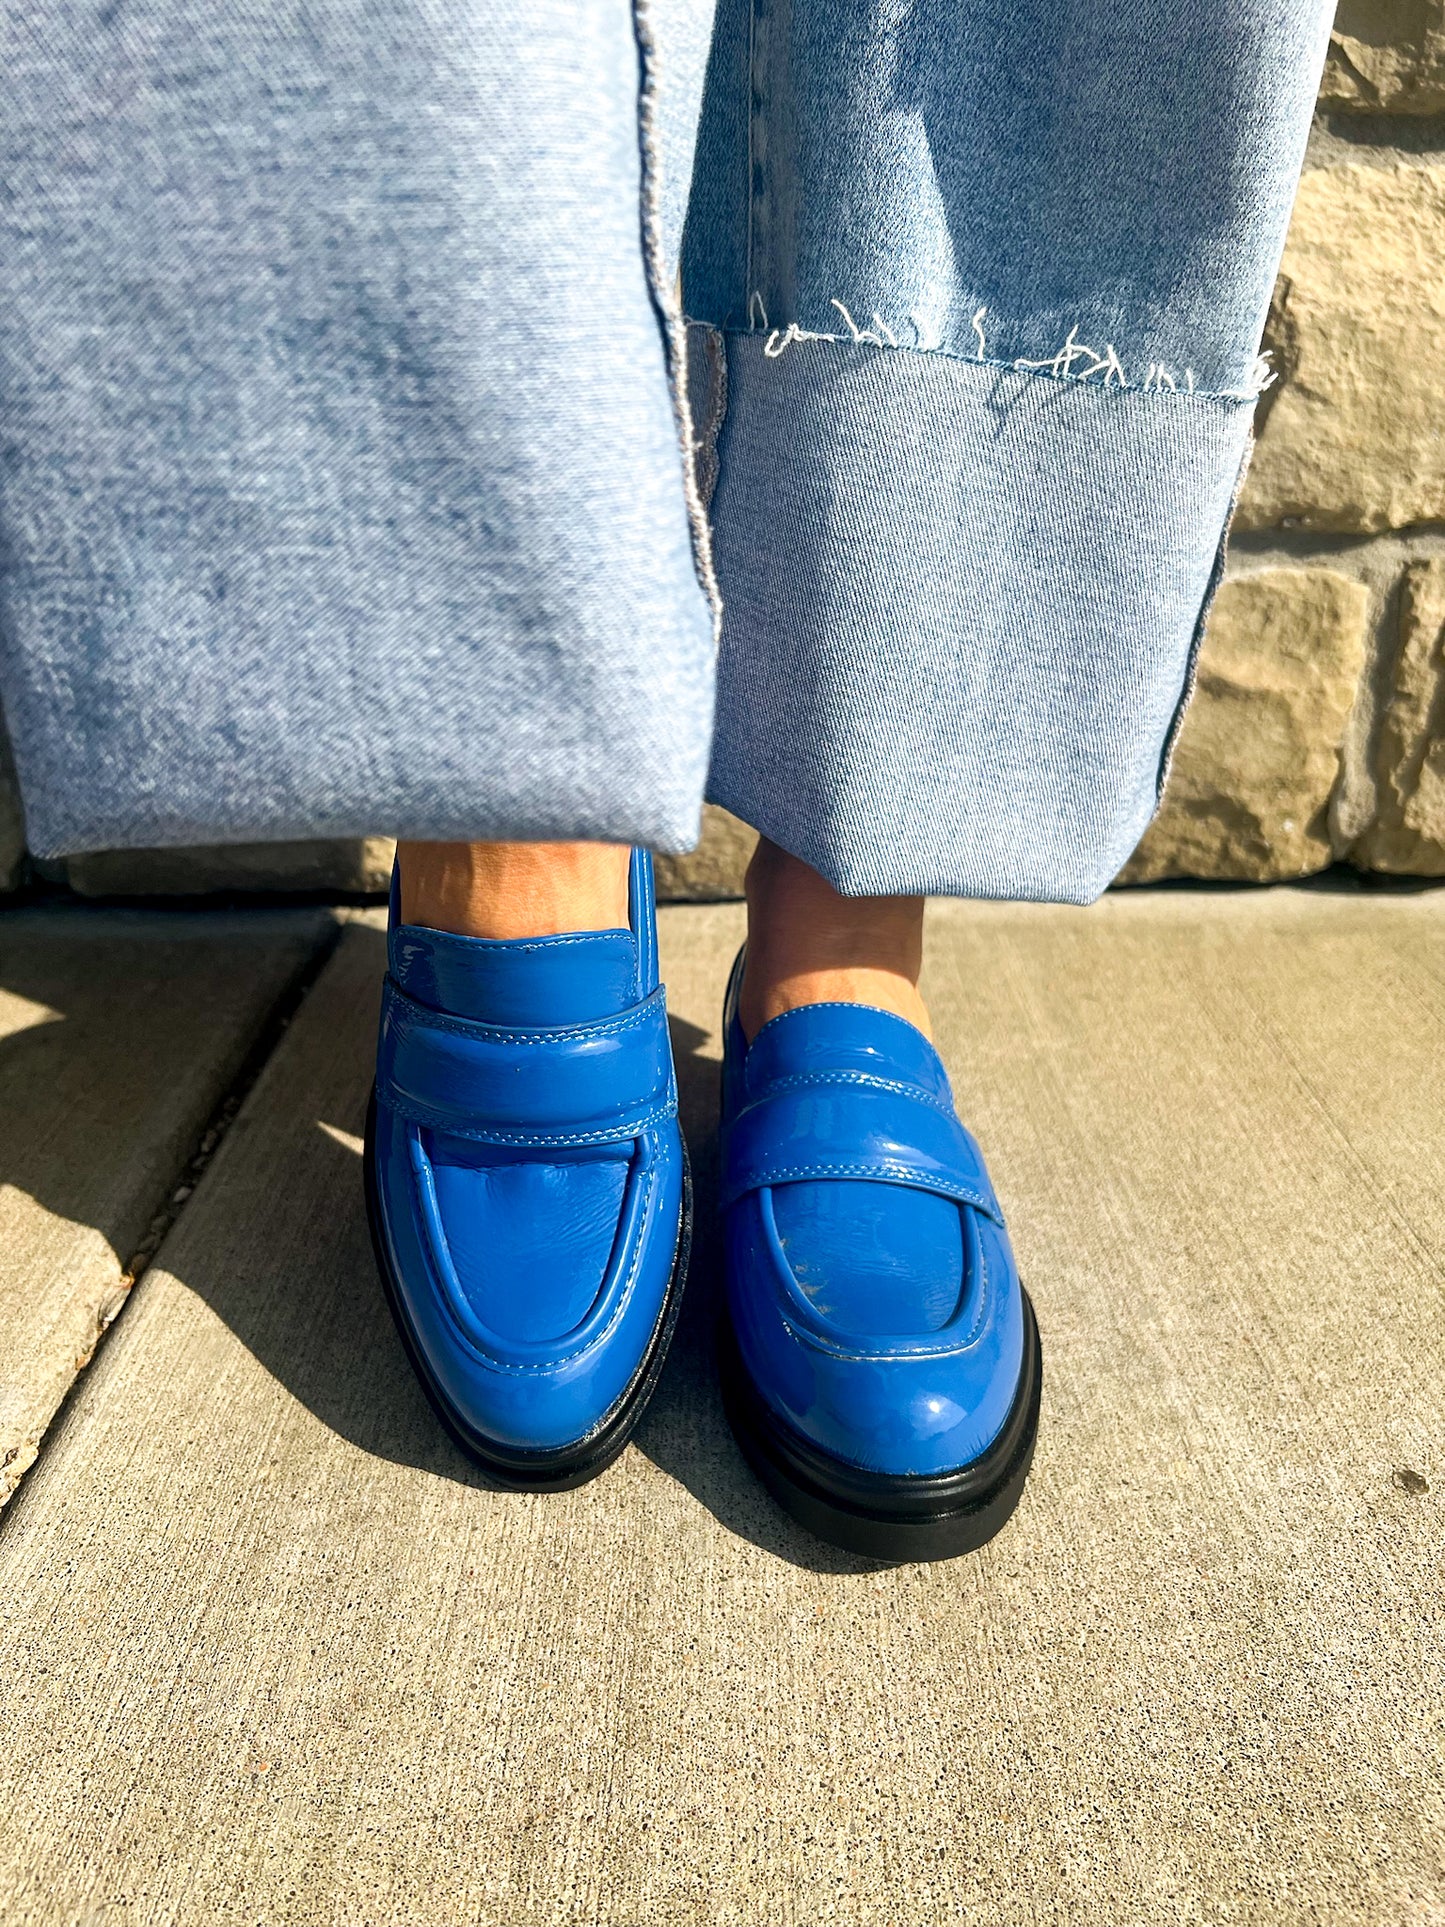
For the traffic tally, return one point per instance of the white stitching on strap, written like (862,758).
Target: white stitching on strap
(850,1080)
(425,1018)
(531,1137)
(883,1169)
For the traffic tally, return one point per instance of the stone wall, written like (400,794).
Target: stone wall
(1317,729)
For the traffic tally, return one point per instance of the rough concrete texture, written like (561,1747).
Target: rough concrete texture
(272,1652)
(119,1036)
(1351,439)
(339,865)
(1387,56)
(1408,833)
(1259,752)
(713,871)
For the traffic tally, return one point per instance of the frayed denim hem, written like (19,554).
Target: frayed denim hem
(960,608)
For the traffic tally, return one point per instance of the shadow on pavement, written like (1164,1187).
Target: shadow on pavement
(286,1263)
(684,1431)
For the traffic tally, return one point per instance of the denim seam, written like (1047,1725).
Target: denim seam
(667,300)
(1225,396)
(756,125)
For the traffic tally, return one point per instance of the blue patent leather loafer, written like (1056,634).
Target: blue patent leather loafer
(527,1186)
(881,1363)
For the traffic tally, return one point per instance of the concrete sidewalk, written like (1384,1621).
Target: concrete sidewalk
(271,1652)
(121,1036)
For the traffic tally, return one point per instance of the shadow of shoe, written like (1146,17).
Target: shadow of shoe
(275,1241)
(684,1431)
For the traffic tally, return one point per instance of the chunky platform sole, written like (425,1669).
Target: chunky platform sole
(877,1514)
(568,1465)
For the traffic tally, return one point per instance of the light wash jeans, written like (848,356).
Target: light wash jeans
(358,473)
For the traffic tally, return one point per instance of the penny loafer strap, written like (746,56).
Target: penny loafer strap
(592,1083)
(853,1126)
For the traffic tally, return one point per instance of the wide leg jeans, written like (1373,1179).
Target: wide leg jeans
(468,418)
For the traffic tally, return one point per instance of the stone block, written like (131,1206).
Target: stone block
(714,870)
(345,866)
(1408,833)
(1353,436)
(1259,753)
(1387,56)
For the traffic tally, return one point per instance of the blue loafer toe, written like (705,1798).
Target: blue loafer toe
(881,1362)
(527,1186)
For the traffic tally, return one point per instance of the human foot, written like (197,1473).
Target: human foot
(514,889)
(809,945)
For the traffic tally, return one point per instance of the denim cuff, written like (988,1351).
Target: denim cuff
(961,604)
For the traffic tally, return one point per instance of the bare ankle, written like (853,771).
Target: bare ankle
(514,889)
(807,944)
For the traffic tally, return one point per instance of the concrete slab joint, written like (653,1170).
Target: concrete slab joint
(120,1035)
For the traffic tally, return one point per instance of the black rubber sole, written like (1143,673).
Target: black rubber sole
(875,1514)
(570,1465)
